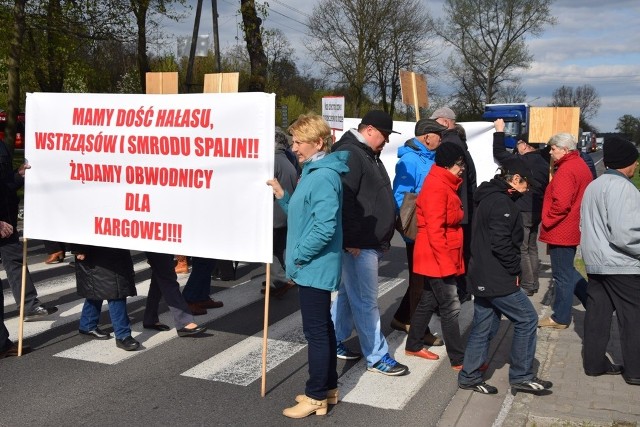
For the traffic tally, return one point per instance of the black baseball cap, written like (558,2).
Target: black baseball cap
(379,120)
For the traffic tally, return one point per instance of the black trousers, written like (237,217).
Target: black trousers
(164,283)
(11,252)
(606,293)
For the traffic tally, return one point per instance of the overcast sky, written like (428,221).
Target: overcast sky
(595,42)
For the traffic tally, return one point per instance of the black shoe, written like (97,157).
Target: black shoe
(612,370)
(185,332)
(39,312)
(128,343)
(534,384)
(632,381)
(157,327)
(96,333)
(481,387)
(12,350)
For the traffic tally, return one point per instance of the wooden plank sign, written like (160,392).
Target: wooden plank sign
(544,122)
(162,83)
(221,83)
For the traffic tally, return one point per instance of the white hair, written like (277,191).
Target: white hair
(564,140)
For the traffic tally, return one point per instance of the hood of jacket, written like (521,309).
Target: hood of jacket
(413,146)
(336,161)
(495,185)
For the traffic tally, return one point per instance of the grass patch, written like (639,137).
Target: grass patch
(579,265)
(636,179)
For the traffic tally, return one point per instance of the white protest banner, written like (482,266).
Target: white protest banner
(479,141)
(333,111)
(177,174)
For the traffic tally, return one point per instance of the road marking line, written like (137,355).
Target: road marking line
(104,351)
(241,364)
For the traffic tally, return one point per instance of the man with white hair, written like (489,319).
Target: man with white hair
(560,227)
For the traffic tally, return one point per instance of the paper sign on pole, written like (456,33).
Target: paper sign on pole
(177,174)
(333,111)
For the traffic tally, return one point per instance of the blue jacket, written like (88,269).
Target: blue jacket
(414,164)
(412,168)
(314,237)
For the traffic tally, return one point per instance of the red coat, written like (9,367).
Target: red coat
(438,246)
(562,198)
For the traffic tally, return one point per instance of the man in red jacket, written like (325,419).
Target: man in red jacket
(561,227)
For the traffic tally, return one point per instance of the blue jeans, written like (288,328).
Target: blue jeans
(117,312)
(567,281)
(486,314)
(198,285)
(357,304)
(315,305)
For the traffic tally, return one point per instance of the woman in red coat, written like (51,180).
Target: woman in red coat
(438,254)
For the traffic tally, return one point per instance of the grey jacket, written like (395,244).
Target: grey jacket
(610,226)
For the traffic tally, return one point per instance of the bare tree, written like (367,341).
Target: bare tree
(586,97)
(405,43)
(342,37)
(489,40)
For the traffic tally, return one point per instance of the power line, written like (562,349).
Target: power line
(293,19)
(292,8)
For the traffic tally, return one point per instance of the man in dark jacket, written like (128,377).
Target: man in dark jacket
(368,218)
(530,204)
(493,270)
(11,247)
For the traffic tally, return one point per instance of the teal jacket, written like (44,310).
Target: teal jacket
(314,222)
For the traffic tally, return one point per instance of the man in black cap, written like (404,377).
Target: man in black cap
(610,244)
(494,270)
(368,218)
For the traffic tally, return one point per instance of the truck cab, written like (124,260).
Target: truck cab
(515,116)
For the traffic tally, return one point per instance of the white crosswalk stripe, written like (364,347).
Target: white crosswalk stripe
(241,363)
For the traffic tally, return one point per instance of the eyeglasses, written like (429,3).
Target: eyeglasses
(461,164)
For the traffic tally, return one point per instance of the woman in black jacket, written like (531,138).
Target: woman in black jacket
(105,273)
(494,271)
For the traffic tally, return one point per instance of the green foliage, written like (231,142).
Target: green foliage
(630,127)
(295,106)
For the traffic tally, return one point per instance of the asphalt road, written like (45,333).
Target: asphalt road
(209,380)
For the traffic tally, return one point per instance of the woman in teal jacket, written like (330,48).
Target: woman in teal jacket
(314,253)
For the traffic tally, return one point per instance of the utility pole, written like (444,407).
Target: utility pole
(194,40)
(216,40)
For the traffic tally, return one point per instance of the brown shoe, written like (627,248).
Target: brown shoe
(13,350)
(548,322)
(279,292)
(196,309)
(210,303)
(399,326)
(55,258)
(307,407)
(182,267)
(432,340)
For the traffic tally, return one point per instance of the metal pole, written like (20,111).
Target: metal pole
(194,40)
(216,40)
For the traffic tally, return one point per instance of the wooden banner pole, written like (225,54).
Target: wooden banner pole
(265,328)
(414,86)
(22,291)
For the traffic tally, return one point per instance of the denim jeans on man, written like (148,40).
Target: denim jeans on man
(486,314)
(198,287)
(315,306)
(117,312)
(567,282)
(357,304)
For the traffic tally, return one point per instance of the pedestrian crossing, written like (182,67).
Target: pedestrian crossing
(240,364)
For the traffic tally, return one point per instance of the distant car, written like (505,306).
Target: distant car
(19,132)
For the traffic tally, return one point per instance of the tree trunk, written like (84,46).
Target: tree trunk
(257,57)
(13,78)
